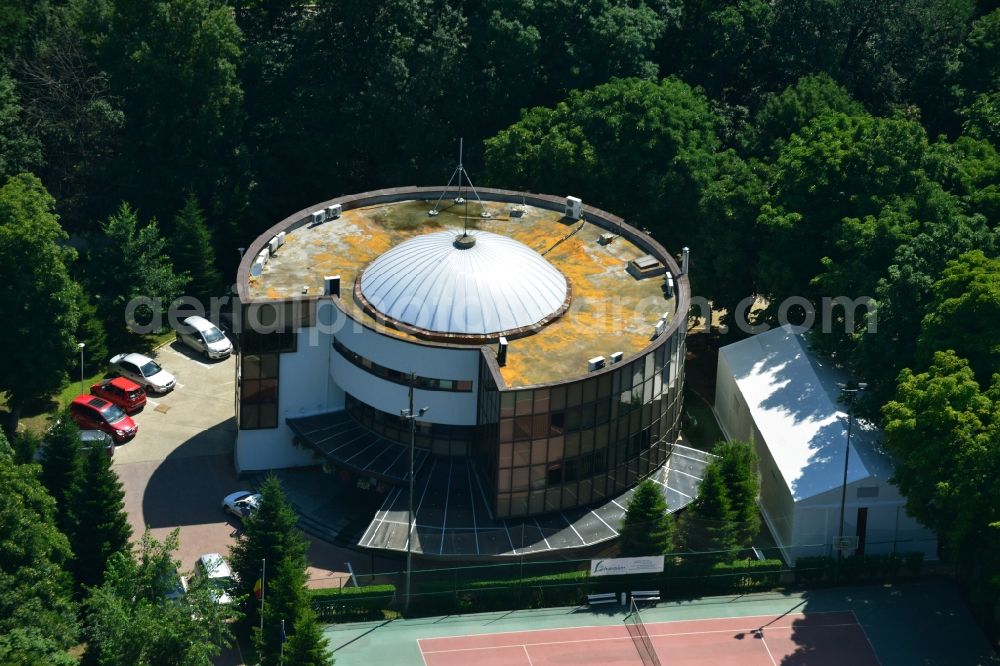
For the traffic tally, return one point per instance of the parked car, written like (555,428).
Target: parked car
(88,440)
(144,371)
(122,391)
(241,503)
(215,570)
(203,336)
(176,587)
(93,413)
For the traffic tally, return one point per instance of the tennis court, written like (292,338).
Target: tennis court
(913,623)
(825,638)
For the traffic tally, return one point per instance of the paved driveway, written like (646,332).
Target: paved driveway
(179,467)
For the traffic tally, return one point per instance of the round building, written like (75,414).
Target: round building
(542,341)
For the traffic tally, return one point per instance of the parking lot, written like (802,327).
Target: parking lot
(179,467)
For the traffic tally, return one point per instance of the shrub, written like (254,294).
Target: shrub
(352,603)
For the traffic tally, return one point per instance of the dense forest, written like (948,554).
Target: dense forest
(803,148)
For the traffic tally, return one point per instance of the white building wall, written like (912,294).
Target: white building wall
(303,388)
(450,407)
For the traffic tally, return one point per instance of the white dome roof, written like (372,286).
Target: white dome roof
(496,285)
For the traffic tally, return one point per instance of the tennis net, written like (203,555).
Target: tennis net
(637,630)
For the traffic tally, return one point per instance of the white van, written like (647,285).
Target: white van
(202,335)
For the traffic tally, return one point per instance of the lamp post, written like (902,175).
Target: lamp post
(81,345)
(850,391)
(408,415)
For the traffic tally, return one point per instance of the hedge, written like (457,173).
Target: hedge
(857,568)
(352,603)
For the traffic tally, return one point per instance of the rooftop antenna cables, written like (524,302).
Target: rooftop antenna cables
(459,174)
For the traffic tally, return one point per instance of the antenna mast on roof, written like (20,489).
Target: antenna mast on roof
(459,173)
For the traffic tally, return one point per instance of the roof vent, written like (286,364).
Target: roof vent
(645,266)
(595,363)
(502,352)
(606,239)
(464,241)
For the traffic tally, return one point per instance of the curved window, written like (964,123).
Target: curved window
(397,377)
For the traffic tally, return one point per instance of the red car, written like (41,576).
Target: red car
(93,413)
(123,392)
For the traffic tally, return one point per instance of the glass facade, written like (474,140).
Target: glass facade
(438,438)
(567,445)
(260,362)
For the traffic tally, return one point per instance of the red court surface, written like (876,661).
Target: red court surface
(819,639)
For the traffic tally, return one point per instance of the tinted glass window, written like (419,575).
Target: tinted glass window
(150,369)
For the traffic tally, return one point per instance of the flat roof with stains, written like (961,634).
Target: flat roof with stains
(609,309)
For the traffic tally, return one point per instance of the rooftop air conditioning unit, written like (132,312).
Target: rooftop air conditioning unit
(616,357)
(334,211)
(574,208)
(502,352)
(318,216)
(669,287)
(595,363)
(606,239)
(264,255)
(257,268)
(272,245)
(660,327)
(281,238)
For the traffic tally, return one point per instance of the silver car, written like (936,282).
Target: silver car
(143,371)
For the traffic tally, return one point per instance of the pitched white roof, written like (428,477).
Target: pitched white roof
(497,284)
(793,398)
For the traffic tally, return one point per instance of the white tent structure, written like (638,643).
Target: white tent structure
(770,389)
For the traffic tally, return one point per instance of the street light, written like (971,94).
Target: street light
(408,415)
(849,391)
(81,345)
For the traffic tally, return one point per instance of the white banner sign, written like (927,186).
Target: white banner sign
(626,565)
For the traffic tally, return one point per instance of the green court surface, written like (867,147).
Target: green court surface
(911,624)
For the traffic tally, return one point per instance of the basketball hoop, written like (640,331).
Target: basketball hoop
(845,543)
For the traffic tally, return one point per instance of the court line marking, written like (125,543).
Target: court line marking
(626,637)
(857,621)
(763,642)
(598,626)
(528,656)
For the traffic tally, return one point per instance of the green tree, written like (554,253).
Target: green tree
(192,250)
(965,314)
(37,614)
(641,149)
(90,331)
(785,114)
(131,622)
(738,464)
(307,645)
(39,295)
(19,151)
(287,601)
(943,431)
(61,464)
(709,523)
(148,273)
(173,65)
(269,536)
(98,525)
(647,528)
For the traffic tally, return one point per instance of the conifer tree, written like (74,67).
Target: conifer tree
(647,529)
(193,251)
(709,524)
(738,464)
(98,526)
(60,464)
